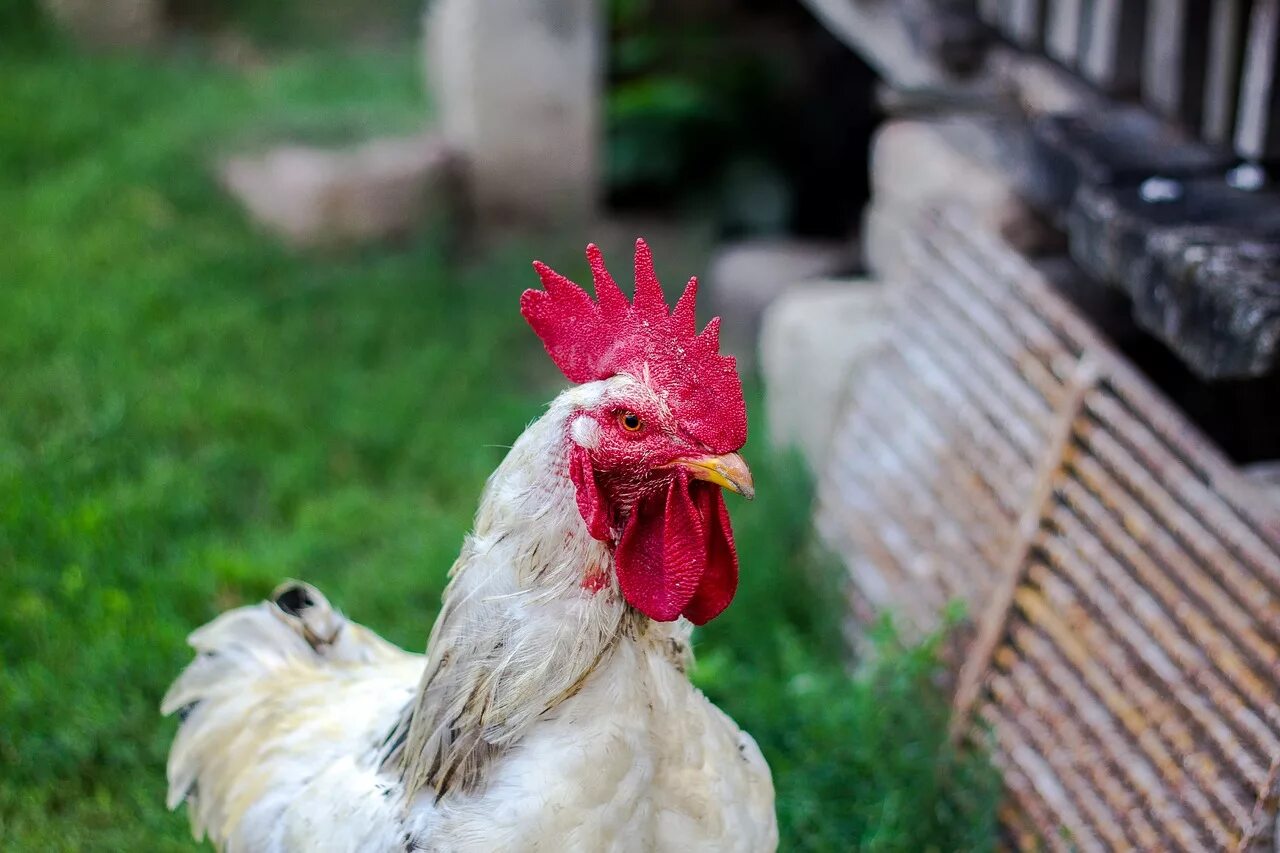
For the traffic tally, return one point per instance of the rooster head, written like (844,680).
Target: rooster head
(656,437)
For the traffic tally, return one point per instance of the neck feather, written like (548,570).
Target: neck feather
(518,632)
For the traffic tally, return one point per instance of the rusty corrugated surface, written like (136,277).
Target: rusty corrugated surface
(1126,661)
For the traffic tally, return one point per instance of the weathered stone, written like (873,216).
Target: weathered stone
(109,23)
(1111,226)
(1214,298)
(811,342)
(517,85)
(914,163)
(379,190)
(1200,261)
(744,278)
(917,164)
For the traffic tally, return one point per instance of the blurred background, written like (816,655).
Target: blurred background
(1003,279)
(259,294)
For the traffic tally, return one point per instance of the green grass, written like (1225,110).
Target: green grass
(189,413)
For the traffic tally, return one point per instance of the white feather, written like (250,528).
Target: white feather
(544,717)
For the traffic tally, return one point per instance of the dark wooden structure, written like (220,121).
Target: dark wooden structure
(1123,577)
(1210,64)
(1126,658)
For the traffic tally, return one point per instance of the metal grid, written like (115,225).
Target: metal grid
(1127,656)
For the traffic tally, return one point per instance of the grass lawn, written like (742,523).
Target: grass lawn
(189,413)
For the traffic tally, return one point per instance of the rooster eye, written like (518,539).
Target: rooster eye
(630,421)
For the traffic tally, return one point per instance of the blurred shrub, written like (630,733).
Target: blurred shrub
(861,760)
(270,23)
(748,110)
(189,413)
(22,25)
(299,22)
(684,101)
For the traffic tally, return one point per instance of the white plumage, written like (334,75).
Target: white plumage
(546,716)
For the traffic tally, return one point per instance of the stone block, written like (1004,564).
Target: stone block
(812,340)
(983,162)
(379,190)
(744,278)
(1200,260)
(1214,298)
(108,23)
(923,163)
(517,86)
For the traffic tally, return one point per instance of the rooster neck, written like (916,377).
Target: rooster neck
(528,517)
(519,631)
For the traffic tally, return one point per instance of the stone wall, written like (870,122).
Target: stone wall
(517,89)
(109,23)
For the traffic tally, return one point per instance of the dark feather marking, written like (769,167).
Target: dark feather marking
(394,742)
(294,600)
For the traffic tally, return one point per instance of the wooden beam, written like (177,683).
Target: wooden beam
(1173,74)
(991,624)
(1258,133)
(876,32)
(1024,23)
(1062,34)
(1227,33)
(1111,53)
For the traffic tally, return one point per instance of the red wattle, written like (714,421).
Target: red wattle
(676,555)
(720,580)
(662,554)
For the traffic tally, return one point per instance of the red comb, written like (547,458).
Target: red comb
(591,340)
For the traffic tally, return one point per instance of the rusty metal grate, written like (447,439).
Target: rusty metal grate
(1127,658)
(938,455)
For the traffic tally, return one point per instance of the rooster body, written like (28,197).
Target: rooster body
(551,711)
(287,758)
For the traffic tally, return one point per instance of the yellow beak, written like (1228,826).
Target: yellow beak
(728,471)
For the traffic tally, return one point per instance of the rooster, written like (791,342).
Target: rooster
(551,711)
